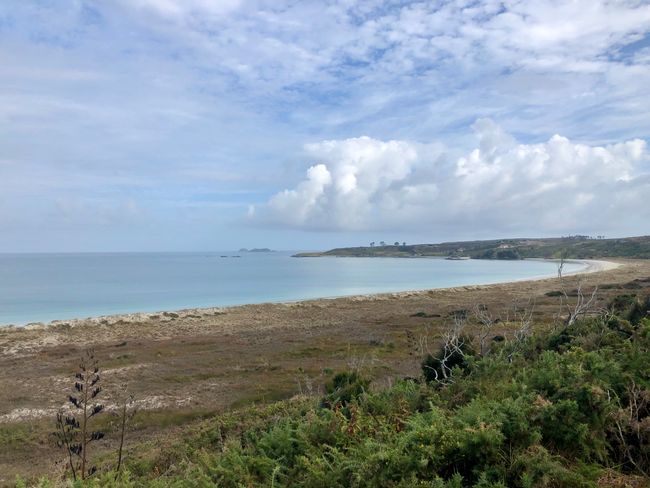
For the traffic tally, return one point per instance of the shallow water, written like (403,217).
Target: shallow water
(44,287)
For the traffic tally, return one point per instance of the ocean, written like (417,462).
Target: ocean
(45,287)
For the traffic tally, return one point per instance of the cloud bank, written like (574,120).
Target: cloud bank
(188,111)
(364,184)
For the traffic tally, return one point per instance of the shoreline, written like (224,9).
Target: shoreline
(590,266)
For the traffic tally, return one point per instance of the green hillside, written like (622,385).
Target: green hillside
(576,247)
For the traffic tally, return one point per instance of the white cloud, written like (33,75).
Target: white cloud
(160,100)
(179,9)
(353,180)
(280,43)
(554,186)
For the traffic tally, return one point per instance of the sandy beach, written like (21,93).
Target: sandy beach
(590,266)
(594,266)
(184,364)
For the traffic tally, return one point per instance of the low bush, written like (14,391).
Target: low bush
(559,409)
(344,388)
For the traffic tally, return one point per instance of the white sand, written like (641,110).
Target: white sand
(591,266)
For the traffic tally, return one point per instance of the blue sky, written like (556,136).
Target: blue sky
(200,125)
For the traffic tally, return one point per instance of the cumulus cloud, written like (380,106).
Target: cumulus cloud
(355,181)
(502,185)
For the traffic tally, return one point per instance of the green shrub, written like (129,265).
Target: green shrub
(554,293)
(554,412)
(640,309)
(621,303)
(344,388)
(537,468)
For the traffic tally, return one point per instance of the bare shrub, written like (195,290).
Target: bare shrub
(73,431)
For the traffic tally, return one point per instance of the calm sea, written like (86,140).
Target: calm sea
(44,287)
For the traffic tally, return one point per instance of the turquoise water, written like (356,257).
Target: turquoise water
(44,287)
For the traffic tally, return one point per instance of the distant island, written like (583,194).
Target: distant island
(256,249)
(570,247)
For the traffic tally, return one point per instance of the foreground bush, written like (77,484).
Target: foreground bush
(564,409)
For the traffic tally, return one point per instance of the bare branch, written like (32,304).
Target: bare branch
(486,322)
(583,303)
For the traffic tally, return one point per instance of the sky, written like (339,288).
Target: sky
(198,125)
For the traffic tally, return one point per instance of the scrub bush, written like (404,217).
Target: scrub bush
(567,408)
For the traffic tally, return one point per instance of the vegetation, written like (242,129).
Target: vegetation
(506,254)
(569,407)
(73,432)
(574,247)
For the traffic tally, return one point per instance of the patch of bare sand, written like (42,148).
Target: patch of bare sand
(595,266)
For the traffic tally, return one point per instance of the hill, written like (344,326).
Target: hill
(572,247)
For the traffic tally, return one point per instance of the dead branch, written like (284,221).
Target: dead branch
(452,348)
(486,322)
(582,305)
